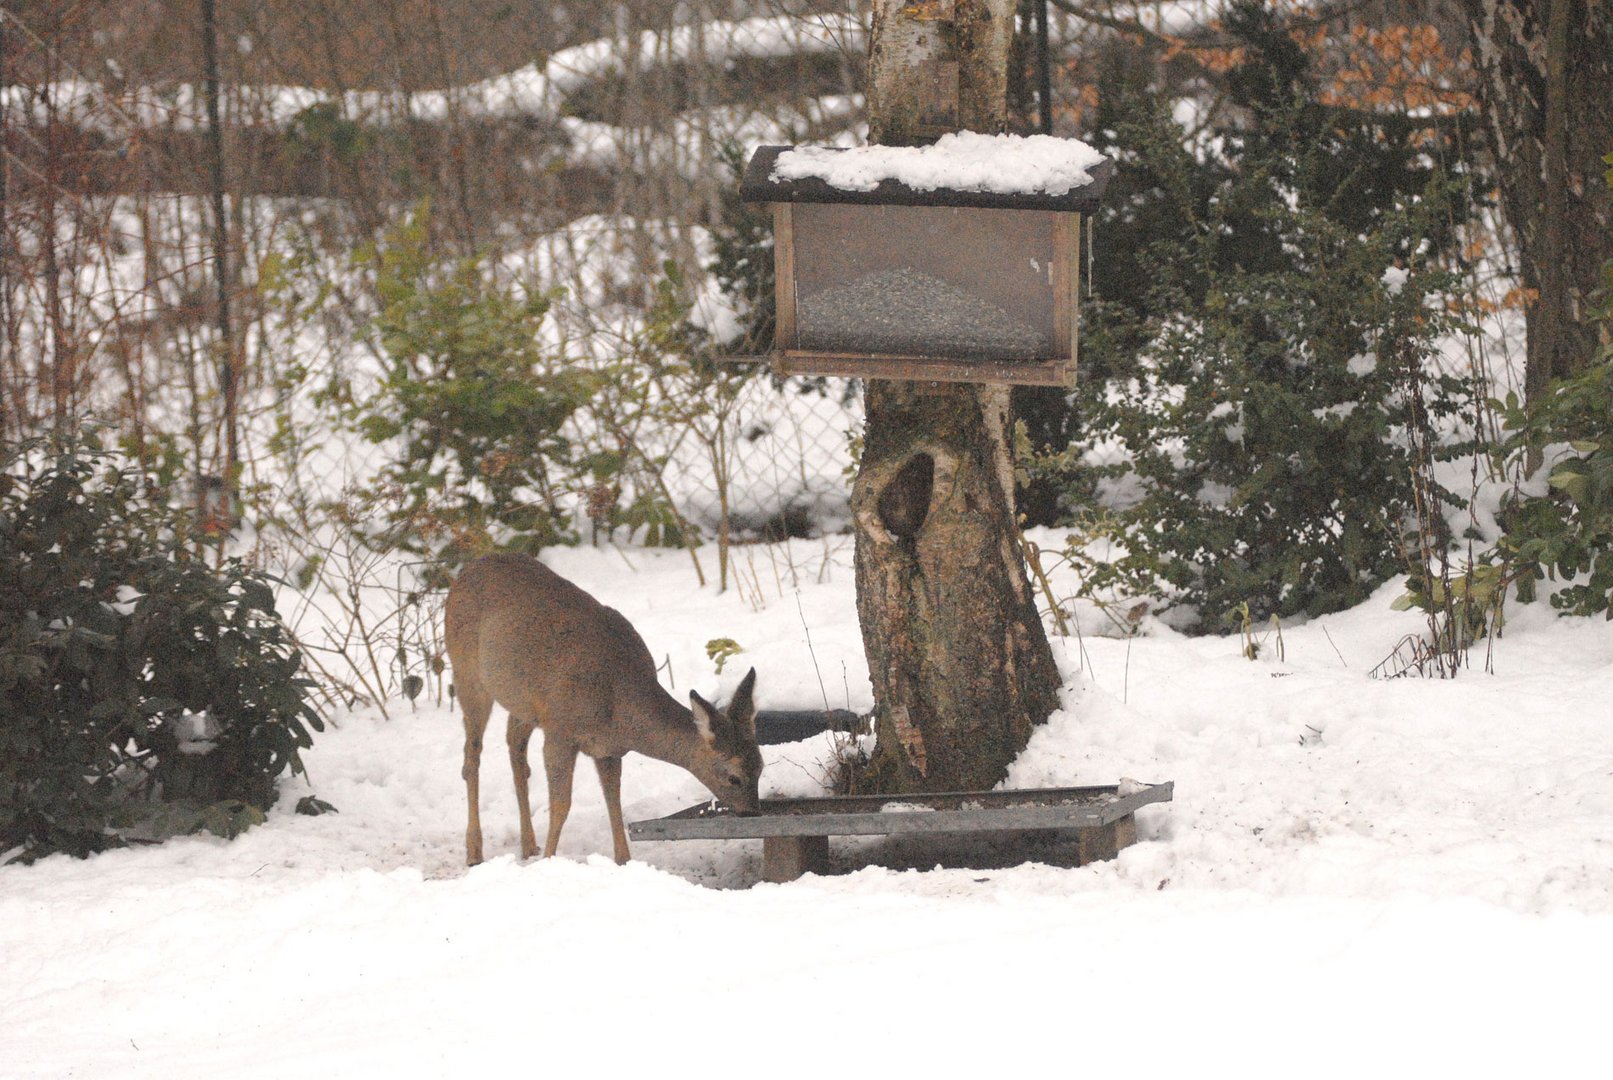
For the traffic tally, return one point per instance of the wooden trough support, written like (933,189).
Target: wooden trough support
(795,832)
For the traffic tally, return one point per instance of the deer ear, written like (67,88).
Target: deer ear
(742,709)
(704,714)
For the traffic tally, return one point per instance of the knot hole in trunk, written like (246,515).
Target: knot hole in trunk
(905,502)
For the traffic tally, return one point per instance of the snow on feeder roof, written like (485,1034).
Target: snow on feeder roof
(1006,172)
(957,261)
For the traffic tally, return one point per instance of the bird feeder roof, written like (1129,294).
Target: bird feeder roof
(989,172)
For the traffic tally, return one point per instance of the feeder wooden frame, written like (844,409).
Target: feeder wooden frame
(790,357)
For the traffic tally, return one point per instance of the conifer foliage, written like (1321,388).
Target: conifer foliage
(1267,303)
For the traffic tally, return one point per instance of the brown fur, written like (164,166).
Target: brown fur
(521,636)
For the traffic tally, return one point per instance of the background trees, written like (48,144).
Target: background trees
(1545,88)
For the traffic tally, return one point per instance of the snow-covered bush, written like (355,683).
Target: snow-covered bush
(472,399)
(142,692)
(500,435)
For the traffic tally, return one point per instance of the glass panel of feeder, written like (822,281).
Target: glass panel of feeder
(938,281)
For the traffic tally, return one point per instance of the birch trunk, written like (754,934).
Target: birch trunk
(960,664)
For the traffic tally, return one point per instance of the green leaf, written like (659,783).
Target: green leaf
(721,650)
(1575,485)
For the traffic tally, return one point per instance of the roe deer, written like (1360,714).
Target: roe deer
(523,636)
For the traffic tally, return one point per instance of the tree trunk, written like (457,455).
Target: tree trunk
(960,664)
(229,361)
(1546,88)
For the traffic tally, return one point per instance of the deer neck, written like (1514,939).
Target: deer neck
(668,732)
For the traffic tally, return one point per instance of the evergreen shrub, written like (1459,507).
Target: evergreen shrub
(477,402)
(1268,302)
(142,692)
(503,440)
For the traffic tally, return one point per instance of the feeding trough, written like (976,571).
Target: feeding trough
(795,832)
(953,262)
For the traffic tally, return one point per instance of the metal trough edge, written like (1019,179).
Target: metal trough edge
(826,821)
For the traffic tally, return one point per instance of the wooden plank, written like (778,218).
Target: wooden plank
(785,858)
(1107,841)
(1066,292)
(1066,233)
(1125,832)
(912,368)
(784,275)
(923,368)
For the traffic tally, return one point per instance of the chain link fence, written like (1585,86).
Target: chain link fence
(786,450)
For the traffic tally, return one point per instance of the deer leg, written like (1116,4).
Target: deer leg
(519,735)
(559,761)
(477,708)
(610,781)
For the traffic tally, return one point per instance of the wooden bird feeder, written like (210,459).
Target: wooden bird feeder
(795,832)
(933,283)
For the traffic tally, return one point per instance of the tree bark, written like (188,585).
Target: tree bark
(1546,89)
(229,361)
(960,664)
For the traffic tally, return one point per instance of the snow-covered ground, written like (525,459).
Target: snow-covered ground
(1410,877)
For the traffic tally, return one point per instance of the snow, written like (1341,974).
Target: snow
(1423,884)
(538,94)
(963,161)
(537,90)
